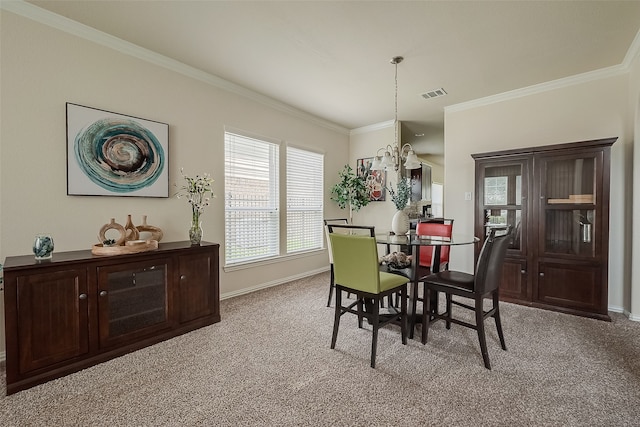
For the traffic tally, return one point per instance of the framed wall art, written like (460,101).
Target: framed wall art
(375,180)
(111,154)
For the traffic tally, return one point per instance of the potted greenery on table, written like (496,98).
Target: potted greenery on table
(400,198)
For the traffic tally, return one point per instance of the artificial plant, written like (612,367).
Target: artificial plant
(351,191)
(401,195)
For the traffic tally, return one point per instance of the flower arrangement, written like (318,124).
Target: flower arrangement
(401,196)
(198,191)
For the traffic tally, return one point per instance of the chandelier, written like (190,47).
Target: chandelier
(395,154)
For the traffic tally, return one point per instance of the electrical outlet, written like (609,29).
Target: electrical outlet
(467,195)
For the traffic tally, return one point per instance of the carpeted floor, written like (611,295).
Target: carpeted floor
(268,363)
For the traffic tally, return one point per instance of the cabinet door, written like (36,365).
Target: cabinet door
(515,280)
(52,312)
(502,189)
(196,290)
(570,232)
(133,300)
(570,206)
(571,285)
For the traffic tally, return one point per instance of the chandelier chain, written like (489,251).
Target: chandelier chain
(395,122)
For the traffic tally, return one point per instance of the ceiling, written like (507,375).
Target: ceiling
(331,58)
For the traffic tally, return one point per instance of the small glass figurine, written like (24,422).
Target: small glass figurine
(43,246)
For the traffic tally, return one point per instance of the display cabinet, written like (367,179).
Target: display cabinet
(556,198)
(79,309)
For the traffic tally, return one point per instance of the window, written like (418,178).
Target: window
(495,190)
(436,200)
(304,200)
(252,219)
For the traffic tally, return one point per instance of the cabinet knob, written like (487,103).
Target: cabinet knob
(541,274)
(82,296)
(103,293)
(183,277)
(523,271)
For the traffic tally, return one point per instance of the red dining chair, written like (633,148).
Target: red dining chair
(440,227)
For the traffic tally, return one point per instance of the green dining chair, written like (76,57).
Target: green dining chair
(355,263)
(342,221)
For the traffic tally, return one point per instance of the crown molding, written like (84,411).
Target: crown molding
(633,52)
(616,70)
(75,28)
(372,128)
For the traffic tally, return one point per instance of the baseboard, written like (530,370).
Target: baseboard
(627,313)
(634,317)
(616,309)
(273,283)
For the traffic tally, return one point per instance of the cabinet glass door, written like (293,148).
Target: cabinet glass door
(502,189)
(132,301)
(502,199)
(569,200)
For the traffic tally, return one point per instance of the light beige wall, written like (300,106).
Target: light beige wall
(42,68)
(632,254)
(365,143)
(597,109)
(437,167)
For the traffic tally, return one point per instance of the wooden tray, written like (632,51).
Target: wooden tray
(130,247)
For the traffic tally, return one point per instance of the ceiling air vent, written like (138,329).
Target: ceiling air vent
(434,93)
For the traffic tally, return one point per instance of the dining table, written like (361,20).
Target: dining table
(412,243)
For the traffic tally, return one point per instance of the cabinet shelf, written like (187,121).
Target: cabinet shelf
(572,206)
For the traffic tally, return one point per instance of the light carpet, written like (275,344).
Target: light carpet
(268,363)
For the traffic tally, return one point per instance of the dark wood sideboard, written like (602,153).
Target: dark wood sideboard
(79,309)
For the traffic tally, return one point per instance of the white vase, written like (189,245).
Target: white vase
(400,222)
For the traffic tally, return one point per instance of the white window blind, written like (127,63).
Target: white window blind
(305,190)
(251,199)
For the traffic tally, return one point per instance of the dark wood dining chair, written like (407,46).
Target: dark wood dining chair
(339,221)
(355,261)
(440,227)
(482,284)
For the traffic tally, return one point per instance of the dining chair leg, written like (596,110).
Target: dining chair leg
(403,315)
(426,310)
(360,310)
(481,335)
(336,319)
(449,299)
(496,317)
(375,319)
(332,285)
(413,308)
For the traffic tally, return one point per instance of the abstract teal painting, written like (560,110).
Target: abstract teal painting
(111,154)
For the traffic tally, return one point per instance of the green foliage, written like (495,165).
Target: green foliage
(350,191)
(401,196)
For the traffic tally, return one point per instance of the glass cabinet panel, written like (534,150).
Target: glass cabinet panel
(570,180)
(569,185)
(134,299)
(570,232)
(502,189)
